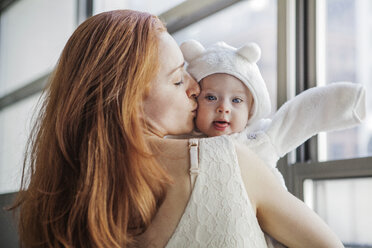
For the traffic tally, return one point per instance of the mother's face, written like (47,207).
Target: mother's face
(170,105)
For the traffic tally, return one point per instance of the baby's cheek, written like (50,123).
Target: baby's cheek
(240,123)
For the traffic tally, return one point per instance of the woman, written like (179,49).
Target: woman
(102,175)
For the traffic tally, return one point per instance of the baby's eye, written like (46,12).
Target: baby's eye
(237,100)
(211,98)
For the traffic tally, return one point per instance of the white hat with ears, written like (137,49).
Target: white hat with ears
(240,63)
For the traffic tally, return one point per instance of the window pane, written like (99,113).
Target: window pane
(15,125)
(345,204)
(246,21)
(349,58)
(154,7)
(32,36)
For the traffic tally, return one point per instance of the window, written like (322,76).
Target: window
(32,36)
(348,49)
(15,125)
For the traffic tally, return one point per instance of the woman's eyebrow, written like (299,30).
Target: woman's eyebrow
(177,68)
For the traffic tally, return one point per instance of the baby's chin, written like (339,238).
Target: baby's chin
(214,133)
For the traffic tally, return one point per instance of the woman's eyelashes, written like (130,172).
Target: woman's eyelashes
(179,83)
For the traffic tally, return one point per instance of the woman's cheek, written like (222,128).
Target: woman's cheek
(201,117)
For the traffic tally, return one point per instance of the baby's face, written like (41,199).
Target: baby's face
(224,105)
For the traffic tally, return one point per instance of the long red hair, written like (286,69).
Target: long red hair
(92,181)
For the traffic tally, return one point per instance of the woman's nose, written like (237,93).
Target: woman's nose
(193,87)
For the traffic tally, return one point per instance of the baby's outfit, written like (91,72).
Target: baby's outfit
(219,213)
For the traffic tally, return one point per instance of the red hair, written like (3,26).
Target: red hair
(92,181)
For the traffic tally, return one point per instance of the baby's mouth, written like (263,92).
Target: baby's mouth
(221,125)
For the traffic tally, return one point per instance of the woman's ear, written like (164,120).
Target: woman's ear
(191,49)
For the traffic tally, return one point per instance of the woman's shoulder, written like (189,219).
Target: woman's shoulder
(245,153)
(254,173)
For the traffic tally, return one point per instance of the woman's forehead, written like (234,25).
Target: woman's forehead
(170,55)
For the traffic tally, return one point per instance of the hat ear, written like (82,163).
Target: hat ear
(191,49)
(250,51)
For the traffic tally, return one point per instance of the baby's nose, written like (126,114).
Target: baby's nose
(223,109)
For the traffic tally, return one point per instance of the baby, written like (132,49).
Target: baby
(234,101)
